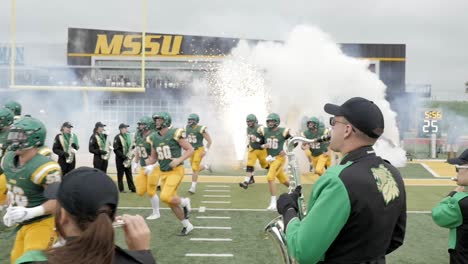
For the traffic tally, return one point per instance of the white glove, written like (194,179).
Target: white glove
(74,151)
(18,214)
(149,169)
(269,158)
(7,221)
(111,148)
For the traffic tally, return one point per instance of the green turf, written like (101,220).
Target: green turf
(424,243)
(415,171)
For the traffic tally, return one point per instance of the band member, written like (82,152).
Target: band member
(195,135)
(255,151)
(123,149)
(275,137)
(166,147)
(98,146)
(28,177)
(65,146)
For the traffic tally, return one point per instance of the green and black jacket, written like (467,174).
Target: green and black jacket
(356,213)
(452,213)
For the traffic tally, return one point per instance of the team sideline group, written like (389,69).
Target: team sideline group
(158,150)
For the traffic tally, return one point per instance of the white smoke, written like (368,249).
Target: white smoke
(299,77)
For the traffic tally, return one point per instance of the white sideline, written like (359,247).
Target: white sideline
(217,202)
(220,186)
(217,190)
(217,196)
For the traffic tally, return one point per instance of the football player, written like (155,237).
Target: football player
(15,107)
(147,180)
(195,135)
(275,137)
(166,147)
(317,153)
(6,119)
(29,175)
(255,151)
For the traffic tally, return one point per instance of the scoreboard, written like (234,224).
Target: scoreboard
(431,121)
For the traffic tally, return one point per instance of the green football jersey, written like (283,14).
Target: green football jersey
(143,147)
(316,148)
(275,139)
(3,145)
(195,135)
(253,131)
(167,146)
(25,183)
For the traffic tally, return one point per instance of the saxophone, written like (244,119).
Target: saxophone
(71,151)
(130,155)
(108,148)
(275,229)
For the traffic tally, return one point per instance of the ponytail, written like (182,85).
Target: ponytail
(94,245)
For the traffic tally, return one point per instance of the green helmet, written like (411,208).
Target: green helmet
(313,120)
(15,107)
(193,119)
(251,117)
(147,121)
(164,116)
(26,133)
(6,117)
(273,117)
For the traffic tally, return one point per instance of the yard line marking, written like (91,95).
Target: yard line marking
(203,209)
(211,239)
(217,190)
(217,202)
(213,217)
(217,196)
(213,227)
(220,186)
(207,255)
(430,170)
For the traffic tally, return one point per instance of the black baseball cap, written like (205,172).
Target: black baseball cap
(123,126)
(461,160)
(85,190)
(67,124)
(99,124)
(361,113)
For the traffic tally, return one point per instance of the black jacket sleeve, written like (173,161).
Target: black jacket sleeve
(133,256)
(398,232)
(57,147)
(118,148)
(94,146)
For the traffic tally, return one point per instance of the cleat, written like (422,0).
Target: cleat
(244,185)
(187,209)
(252,180)
(153,216)
(186,230)
(192,190)
(272,207)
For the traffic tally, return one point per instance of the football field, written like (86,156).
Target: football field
(230,221)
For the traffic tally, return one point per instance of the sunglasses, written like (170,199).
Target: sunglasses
(458,168)
(333,121)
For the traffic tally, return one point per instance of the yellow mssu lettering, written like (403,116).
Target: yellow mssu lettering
(131,45)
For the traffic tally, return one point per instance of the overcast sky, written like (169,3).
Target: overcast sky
(435,32)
